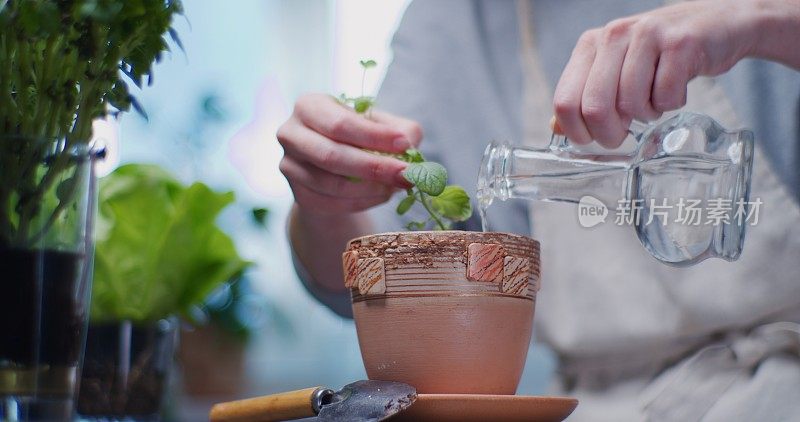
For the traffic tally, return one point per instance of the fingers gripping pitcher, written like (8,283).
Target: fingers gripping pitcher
(683,184)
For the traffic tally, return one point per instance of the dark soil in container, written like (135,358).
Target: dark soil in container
(41,311)
(125,375)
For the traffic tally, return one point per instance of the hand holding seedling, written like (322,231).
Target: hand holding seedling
(342,156)
(442,202)
(332,167)
(326,153)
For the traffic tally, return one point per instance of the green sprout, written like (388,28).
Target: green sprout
(445,204)
(441,201)
(363,103)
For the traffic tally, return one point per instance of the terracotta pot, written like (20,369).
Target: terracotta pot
(447,312)
(212,363)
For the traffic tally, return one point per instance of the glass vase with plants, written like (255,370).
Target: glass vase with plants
(63,64)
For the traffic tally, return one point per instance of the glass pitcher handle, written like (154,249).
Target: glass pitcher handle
(560,143)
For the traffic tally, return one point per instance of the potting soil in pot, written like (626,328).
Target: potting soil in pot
(125,370)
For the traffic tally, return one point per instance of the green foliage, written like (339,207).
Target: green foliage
(260,216)
(159,251)
(453,203)
(405,204)
(364,103)
(418,225)
(440,200)
(428,177)
(413,156)
(62,65)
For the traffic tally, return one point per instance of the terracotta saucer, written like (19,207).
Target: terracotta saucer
(485,407)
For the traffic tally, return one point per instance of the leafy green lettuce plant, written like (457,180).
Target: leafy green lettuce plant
(63,64)
(444,204)
(158,251)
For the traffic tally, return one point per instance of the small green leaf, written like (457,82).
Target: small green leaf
(405,205)
(428,177)
(412,155)
(366,64)
(362,104)
(119,96)
(453,203)
(138,107)
(175,38)
(66,188)
(353,179)
(260,216)
(415,225)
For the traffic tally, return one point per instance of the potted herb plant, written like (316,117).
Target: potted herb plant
(159,254)
(63,64)
(446,311)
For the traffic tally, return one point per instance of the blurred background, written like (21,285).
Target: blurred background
(213,112)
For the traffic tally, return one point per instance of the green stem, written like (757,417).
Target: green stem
(78,133)
(44,104)
(24,97)
(59,165)
(430,211)
(8,103)
(363,82)
(62,204)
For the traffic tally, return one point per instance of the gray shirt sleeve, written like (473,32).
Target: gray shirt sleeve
(337,301)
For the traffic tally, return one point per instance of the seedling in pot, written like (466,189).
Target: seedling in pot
(445,204)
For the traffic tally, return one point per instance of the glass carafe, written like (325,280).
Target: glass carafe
(684,184)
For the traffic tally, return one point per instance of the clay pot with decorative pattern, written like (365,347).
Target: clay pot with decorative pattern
(446,311)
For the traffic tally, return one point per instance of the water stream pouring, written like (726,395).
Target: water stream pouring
(684,184)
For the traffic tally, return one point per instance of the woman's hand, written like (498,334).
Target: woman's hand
(638,67)
(324,161)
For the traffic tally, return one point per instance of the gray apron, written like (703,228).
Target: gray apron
(638,340)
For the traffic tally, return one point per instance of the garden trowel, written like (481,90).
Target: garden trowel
(361,401)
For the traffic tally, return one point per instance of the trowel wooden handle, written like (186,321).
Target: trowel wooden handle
(555,127)
(277,407)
